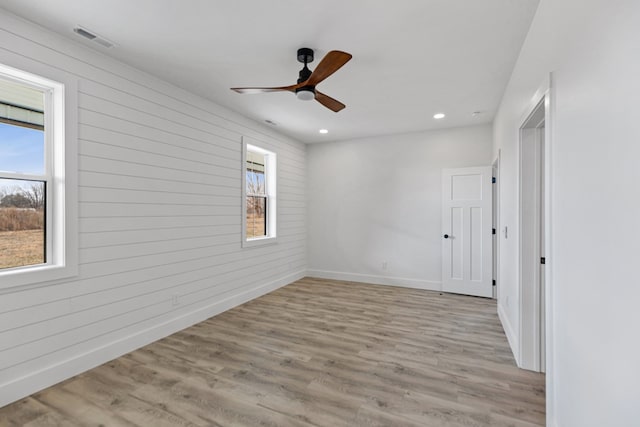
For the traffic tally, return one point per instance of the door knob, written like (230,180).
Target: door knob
(446,236)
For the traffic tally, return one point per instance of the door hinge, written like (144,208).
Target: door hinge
(493,282)
(493,179)
(493,231)
(543,260)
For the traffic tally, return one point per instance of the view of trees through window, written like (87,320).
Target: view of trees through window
(22,201)
(256,195)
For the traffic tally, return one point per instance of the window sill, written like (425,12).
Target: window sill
(38,275)
(259,241)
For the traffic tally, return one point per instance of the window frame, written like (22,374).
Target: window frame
(270,173)
(60,174)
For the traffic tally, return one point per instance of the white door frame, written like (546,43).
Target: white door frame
(496,213)
(544,94)
(530,220)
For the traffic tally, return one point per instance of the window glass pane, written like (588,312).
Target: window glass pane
(22,224)
(255,183)
(21,128)
(256,216)
(255,173)
(21,149)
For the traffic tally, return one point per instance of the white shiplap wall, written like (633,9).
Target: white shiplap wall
(159,215)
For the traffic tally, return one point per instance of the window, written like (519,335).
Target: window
(259,195)
(256,195)
(35,184)
(23,180)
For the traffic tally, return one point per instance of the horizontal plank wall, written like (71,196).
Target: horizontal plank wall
(159,219)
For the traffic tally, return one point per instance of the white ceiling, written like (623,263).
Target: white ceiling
(411,58)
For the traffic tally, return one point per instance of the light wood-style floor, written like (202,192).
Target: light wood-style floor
(314,353)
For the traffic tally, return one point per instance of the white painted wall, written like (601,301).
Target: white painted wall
(592,49)
(379,199)
(159,215)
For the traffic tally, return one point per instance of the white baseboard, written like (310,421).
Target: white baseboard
(39,380)
(510,333)
(376,280)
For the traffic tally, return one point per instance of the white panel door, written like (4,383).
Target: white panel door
(467,249)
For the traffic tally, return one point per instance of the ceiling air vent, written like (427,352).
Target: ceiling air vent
(90,35)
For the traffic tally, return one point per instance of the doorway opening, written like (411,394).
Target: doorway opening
(532,220)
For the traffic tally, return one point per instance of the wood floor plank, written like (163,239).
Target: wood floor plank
(314,353)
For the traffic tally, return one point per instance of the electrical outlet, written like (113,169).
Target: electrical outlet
(174,300)
(384,265)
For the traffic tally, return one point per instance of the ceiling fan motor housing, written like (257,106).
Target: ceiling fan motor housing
(304,74)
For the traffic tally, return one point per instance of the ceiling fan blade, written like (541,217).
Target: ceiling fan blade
(329,65)
(329,102)
(291,88)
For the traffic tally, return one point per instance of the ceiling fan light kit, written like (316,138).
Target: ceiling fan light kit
(305,89)
(305,94)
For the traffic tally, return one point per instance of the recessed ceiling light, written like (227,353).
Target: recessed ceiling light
(323,131)
(476,113)
(438,116)
(271,122)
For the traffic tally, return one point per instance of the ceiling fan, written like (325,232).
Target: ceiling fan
(305,89)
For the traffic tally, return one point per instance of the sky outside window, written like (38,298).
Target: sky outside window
(21,149)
